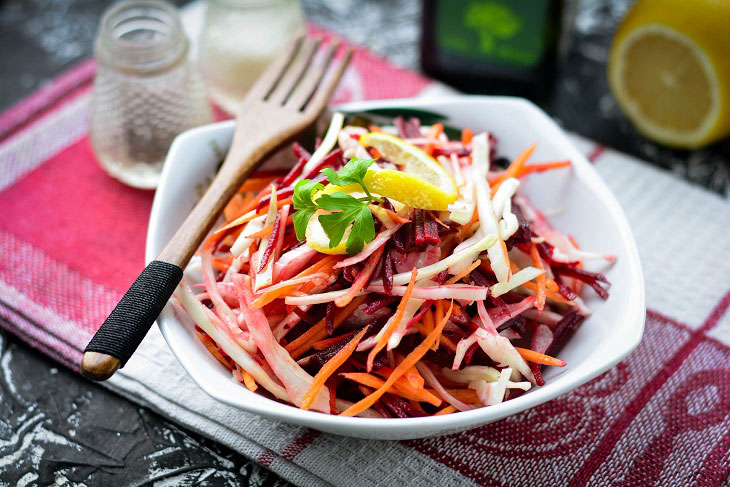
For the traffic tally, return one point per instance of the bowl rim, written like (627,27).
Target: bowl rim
(634,312)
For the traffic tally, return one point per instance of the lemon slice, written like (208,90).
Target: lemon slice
(670,72)
(318,240)
(422,183)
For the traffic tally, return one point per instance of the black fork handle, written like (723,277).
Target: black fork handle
(131,319)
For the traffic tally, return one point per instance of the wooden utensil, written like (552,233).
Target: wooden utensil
(288,98)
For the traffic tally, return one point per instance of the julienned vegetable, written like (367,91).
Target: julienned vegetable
(393,273)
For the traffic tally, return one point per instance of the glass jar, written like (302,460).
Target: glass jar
(145,92)
(239,40)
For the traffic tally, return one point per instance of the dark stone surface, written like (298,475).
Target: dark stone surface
(55,426)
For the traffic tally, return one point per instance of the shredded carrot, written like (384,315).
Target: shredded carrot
(537,168)
(447,410)
(251,205)
(221,265)
(412,358)
(374,128)
(328,342)
(577,283)
(374,152)
(539,358)
(557,297)
(329,368)
(435,131)
(552,286)
(254,185)
(248,379)
(464,230)
(464,273)
(213,349)
(541,286)
(514,169)
(468,396)
(466,136)
(263,233)
(362,278)
(401,387)
(304,343)
(433,134)
(279,204)
(399,312)
(323,265)
(414,378)
(233,208)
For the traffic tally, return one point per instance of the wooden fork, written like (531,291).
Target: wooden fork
(288,98)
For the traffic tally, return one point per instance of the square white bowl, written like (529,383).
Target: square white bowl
(583,206)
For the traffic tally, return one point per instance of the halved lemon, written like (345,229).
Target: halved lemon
(318,240)
(422,183)
(670,72)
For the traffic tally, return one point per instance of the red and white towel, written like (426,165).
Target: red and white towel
(72,240)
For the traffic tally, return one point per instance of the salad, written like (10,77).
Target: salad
(395,271)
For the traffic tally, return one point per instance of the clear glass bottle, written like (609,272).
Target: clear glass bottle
(240,38)
(146,91)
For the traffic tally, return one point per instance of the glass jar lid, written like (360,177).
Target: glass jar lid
(141,37)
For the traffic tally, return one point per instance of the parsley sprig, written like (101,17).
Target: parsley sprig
(346,210)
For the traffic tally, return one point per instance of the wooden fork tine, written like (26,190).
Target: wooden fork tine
(304,90)
(324,91)
(271,77)
(295,71)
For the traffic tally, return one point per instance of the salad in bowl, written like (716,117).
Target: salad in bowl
(402,277)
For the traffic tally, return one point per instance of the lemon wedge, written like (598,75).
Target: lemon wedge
(422,183)
(670,72)
(318,240)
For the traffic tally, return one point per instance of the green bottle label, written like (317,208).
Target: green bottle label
(509,33)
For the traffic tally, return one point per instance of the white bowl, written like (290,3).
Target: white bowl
(588,211)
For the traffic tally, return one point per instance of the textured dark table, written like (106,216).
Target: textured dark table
(57,427)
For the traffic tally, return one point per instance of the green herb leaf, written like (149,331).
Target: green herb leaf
(301,220)
(335,224)
(338,201)
(363,230)
(353,173)
(304,205)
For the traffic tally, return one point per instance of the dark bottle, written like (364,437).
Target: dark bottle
(497,47)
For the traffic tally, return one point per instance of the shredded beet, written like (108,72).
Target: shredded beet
(300,151)
(563,331)
(378,303)
(388,272)
(470,353)
(329,322)
(280,194)
(535,368)
(333,159)
(410,129)
(295,172)
(419,315)
(271,242)
(564,290)
(523,235)
(399,237)
(431,230)
(400,407)
(460,152)
(419,235)
(378,406)
(441,277)
(593,279)
(518,324)
(304,316)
